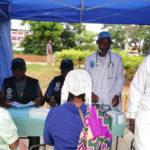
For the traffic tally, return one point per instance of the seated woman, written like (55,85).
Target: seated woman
(8,131)
(64,123)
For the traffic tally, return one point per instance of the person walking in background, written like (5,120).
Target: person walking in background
(53,92)
(139,106)
(106,71)
(49,52)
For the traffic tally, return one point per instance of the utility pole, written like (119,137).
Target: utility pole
(127,37)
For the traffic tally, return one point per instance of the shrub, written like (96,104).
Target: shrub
(77,56)
(130,63)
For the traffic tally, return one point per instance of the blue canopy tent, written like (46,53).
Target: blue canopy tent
(85,11)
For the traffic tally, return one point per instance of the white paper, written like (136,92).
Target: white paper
(41,112)
(16,104)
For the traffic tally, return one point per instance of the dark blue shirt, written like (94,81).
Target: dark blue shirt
(54,88)
(63,126)
(49,90)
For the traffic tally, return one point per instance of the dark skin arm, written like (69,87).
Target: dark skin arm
(14,145)
(132,125)
(4,102)
(1,95)
(50,100)
(38,100)
(94,98)
(115,100)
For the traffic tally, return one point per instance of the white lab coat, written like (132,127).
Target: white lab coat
(139,105)
(103,87)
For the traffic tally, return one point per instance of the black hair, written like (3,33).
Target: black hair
(81,96)
(18,63)
(66,64)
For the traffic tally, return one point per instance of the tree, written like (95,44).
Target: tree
(40,33)
(88,40)
(63,36)
(137,36)
(118,35)
(146,42)
(75,36)
(68,37)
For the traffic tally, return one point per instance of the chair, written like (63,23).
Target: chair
(38,146)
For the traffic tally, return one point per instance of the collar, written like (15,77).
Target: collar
(74,109)
(99,51)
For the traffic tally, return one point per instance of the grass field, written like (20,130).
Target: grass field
(44,73)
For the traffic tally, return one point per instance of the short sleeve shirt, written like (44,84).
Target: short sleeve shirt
(8,130)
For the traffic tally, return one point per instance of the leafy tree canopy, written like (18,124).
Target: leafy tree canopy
(62,35)
(139,36)
(40,33)
(118,35)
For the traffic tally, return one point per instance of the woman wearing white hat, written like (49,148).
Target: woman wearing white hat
(65,122)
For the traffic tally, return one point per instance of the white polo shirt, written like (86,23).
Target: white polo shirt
(8,130)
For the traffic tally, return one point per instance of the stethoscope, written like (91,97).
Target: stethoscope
(110,64)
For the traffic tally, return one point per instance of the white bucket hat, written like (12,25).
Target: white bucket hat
(77,82)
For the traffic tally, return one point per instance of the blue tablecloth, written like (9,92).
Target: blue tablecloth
(26,126)
(22,112)
(34,127)
(118,130)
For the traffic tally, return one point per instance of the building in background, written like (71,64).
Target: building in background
(18,32)
(16,37)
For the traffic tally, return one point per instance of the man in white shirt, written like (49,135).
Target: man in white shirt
(8,132)
(139,106)
(106,71)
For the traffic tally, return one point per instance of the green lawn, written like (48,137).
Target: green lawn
(44,73)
